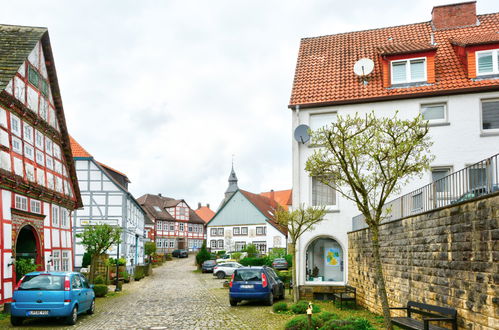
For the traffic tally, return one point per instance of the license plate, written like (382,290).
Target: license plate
(247,286)
(38,313)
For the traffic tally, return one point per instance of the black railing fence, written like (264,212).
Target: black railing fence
(471,182)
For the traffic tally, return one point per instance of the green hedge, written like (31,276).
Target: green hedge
(280,307)
(301,323)
(263,261)
(100,290)
(284,275)
(348,324)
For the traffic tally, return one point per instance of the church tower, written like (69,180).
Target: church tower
(232,188)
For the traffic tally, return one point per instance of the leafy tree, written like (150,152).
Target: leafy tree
(149,250)
(251,250)
(367,159)
(97,239)
(202,255)
(24,266)
(87,259)
(298,222)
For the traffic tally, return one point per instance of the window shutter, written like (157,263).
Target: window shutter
(399,72)
(485,62)
(417,70)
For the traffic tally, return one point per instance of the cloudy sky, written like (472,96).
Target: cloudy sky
(168,91)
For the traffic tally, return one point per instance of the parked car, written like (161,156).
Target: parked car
(255,283)
(52,294)
(180,254)
(225,269)
(208,265)
(476,192)
(280,263)
(230,256)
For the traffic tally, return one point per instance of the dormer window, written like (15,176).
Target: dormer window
(487,62)
(408,71)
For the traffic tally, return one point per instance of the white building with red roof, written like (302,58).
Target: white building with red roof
(446,69)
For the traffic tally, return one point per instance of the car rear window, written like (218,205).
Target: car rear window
(42,282)
(248,275)
(210,262)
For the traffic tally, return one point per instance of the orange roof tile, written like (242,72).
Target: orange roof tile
(112,169)
(77,149)
(267,206)
(477,39)
(205,213)
(283,197)
(405,48)
(324,70)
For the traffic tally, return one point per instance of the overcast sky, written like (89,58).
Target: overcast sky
(167,91)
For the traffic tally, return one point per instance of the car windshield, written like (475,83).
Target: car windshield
(279,260)
(248,275)
(210,262)
(42,282)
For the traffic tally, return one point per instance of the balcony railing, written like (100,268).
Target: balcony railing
(471,182)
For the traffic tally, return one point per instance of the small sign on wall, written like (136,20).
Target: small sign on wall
(89,222)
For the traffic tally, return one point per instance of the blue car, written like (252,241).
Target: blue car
(255,283)
(52,294)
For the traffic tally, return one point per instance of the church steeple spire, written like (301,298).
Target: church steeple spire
(232,183)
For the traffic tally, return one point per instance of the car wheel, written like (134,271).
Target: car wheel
(270,299)
(233,302)
(91,310)
(220,275)
(71,318)
(15,320)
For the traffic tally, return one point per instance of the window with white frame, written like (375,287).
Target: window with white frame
(55,216)
(158,243)
(213,231)
(417,201)
(30,172)
(487,62)
(29,152)
(39,140)
(190,244)
(189,228)
(28,133)
(438,175)
(3,117)
(171,243)
(64,218)
(408,71)
(48,146)
(434,113)
(244,231)
(65,261)
(220,231)
(260,231)
(40,158)
(15,125)
(49,162)
(261,246)
(4,138)
(21,203)
(213,244)
(172,226)
(240,246)
(17,145)
(57,151)
(490,115)
(36,206)
(40,176)
(159,225)
(56,260)
(322,194)
(181,227)
(200,229)
(236,231)
(220,244)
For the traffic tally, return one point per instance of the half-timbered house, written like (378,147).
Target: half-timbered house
(176,225)
(106,199)
(38,186)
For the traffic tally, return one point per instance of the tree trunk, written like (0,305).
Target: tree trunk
(380,280)
(93,262)
(293,274)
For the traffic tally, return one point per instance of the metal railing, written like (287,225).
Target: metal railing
(471,182)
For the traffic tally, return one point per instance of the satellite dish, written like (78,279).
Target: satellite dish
(363,67)
(301,134)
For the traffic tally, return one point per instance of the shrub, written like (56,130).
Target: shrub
(221,253)
(249,261)
(100,290)
(348,324)
(284,275)
(99,280)
(202,255)
(138,274)
(168,257)
(280,307)
(87,260)
(301,307)
(277,253)
(326,316)
(236,256)
(301,323)
(125,276)
(289,259)
(121,261)
(24,266)
(251,250)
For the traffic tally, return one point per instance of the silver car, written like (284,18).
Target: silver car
(225,269)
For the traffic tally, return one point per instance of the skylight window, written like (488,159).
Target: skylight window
(157,208)
(408,71)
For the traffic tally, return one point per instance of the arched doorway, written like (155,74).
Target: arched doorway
(324,261)
(27,248)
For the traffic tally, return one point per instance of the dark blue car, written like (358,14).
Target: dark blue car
(52,294)
(255,283)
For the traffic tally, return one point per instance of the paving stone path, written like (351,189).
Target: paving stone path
(173,298)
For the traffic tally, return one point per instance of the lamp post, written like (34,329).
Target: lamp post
(117,289)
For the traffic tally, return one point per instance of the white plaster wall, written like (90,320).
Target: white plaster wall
(457,143)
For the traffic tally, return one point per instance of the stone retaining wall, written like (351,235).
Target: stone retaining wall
(448,257)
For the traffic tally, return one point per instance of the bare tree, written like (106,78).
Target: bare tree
(298,222)
(367,159)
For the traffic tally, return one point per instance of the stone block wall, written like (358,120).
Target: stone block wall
(448,257)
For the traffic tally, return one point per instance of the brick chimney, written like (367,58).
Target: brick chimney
(454,15)
(272,197)
(199,205)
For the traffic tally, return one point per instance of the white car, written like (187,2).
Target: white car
(225,269)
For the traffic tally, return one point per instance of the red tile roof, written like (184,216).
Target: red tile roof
(112,169)
(406,48)
(77,149)
(324,70)
(267,206)
(205,213)
(283,197)
(477,39)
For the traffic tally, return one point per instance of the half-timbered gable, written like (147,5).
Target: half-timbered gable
(107,200)
(38,185)
(176,225)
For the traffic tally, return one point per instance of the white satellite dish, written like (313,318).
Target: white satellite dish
(363,67)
